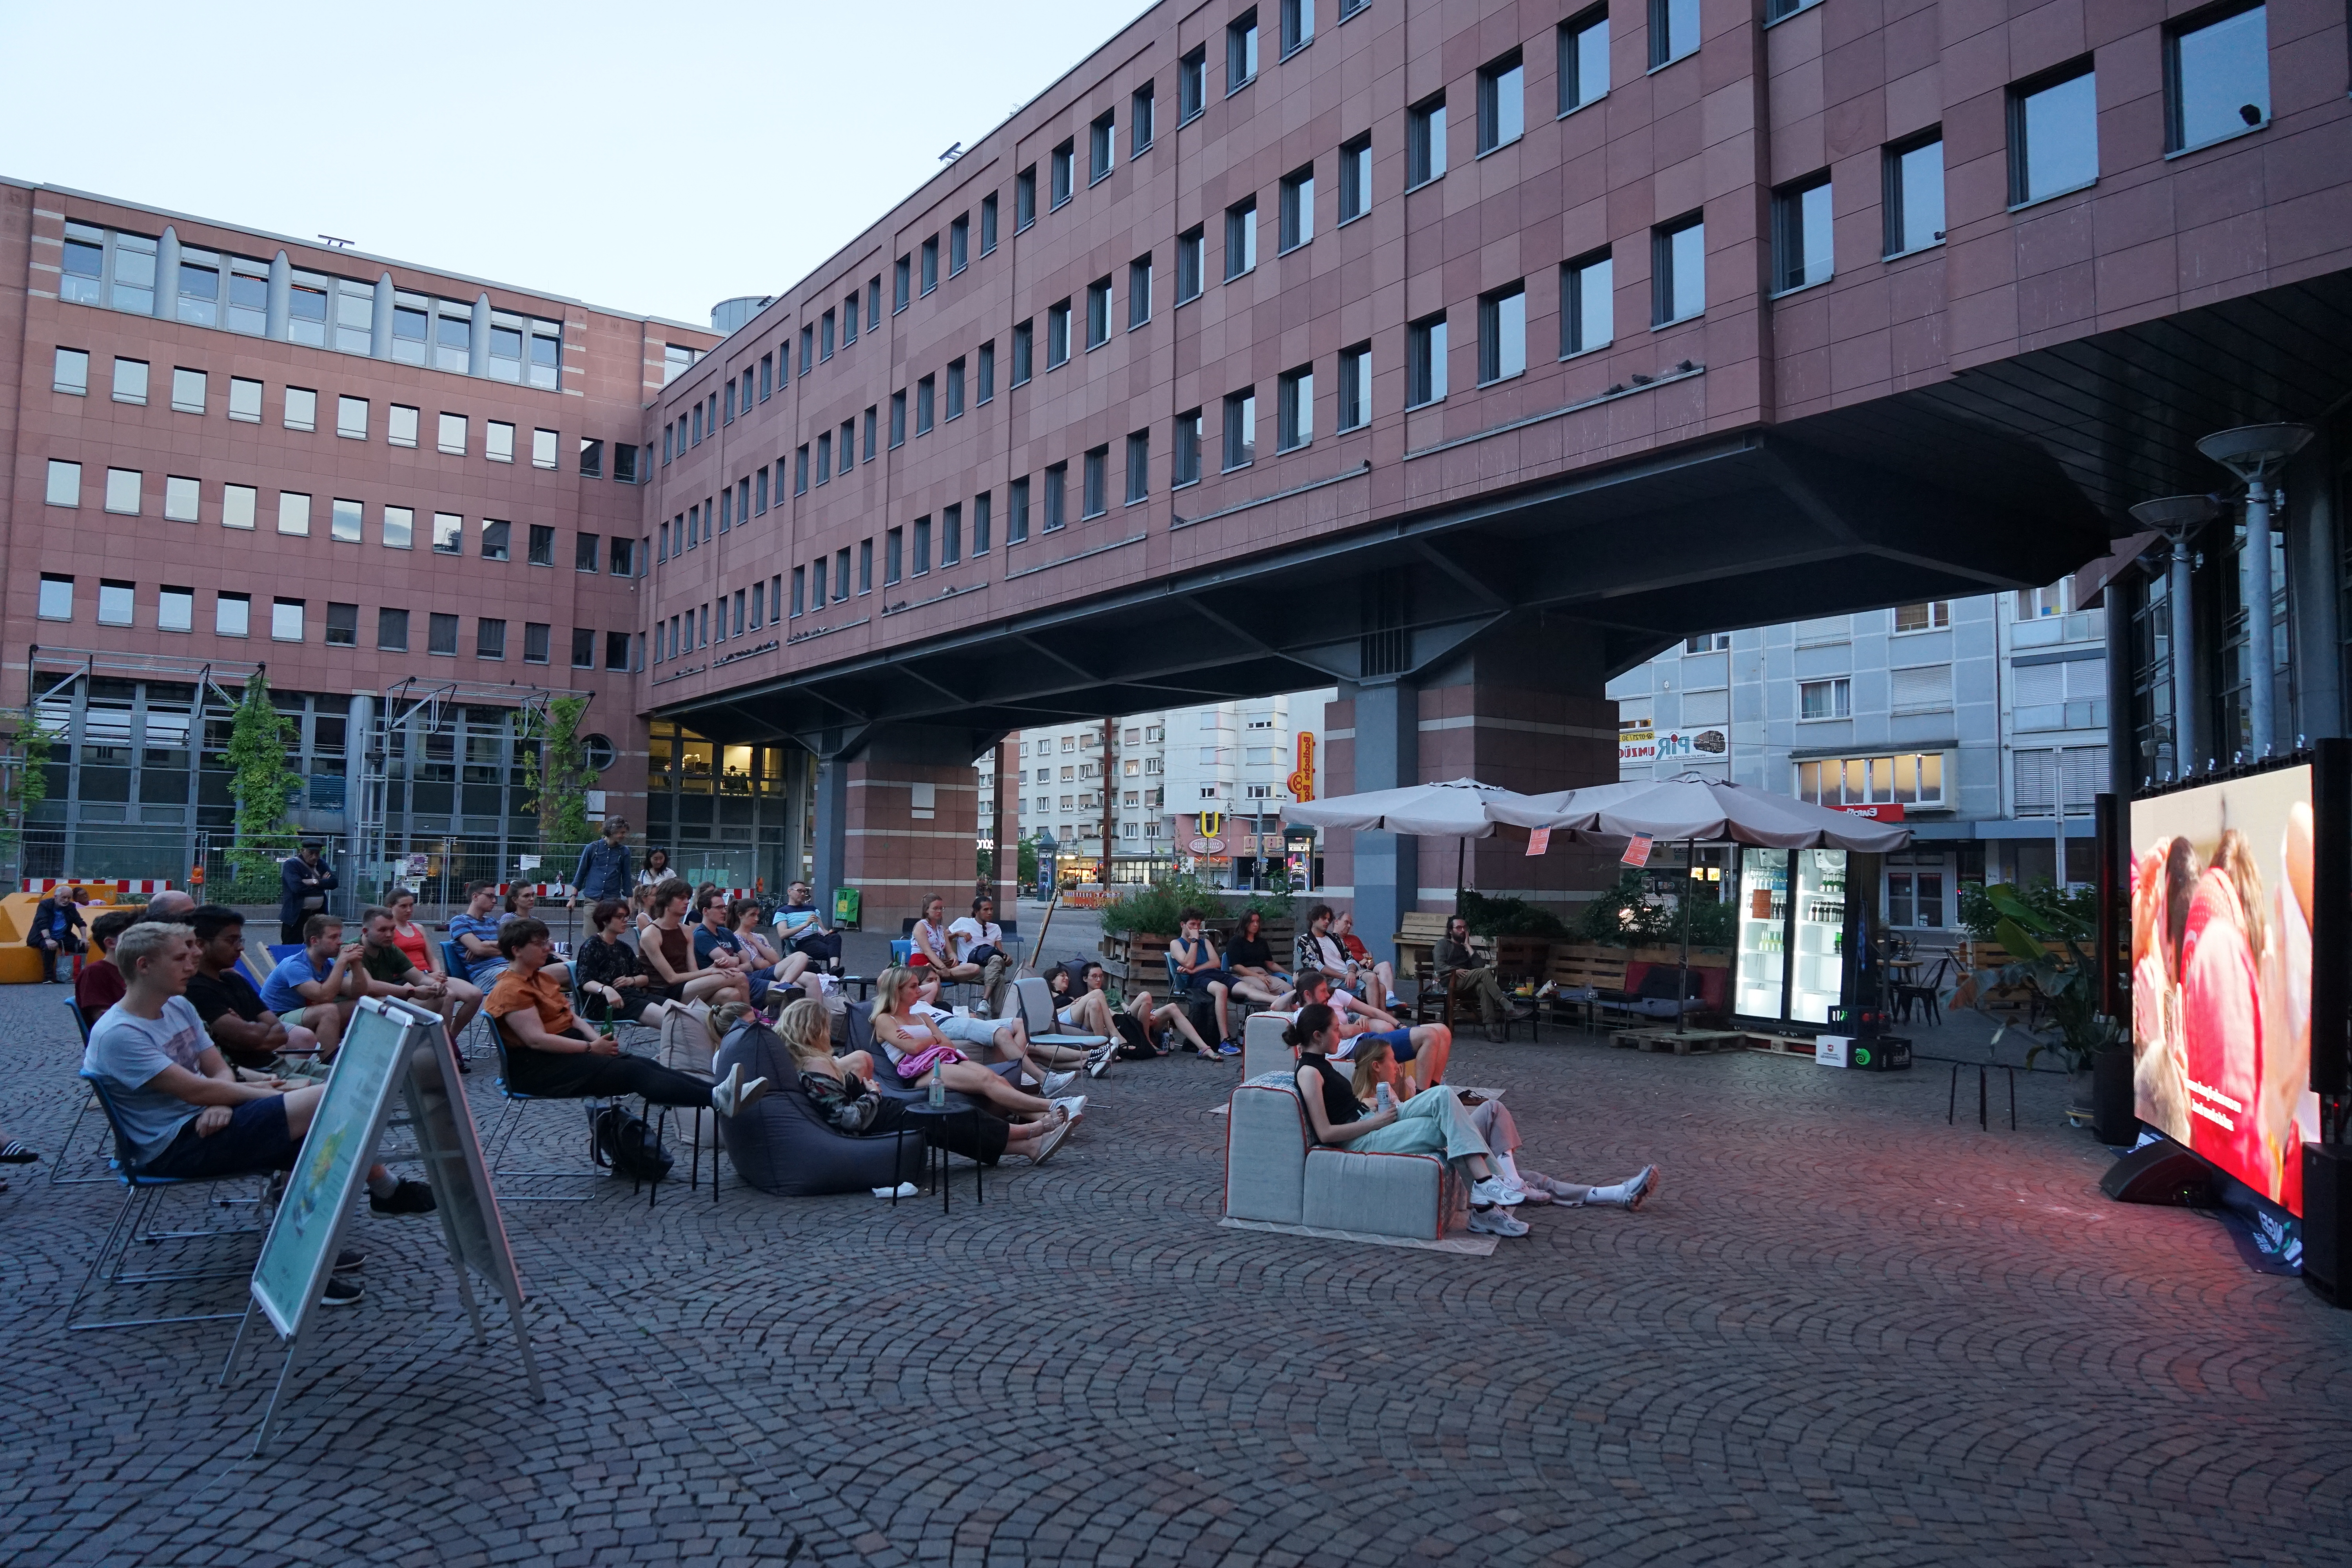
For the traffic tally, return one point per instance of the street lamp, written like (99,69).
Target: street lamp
(2256,453)
(2179,518)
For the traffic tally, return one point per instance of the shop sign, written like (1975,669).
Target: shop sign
(1301,783)
(1637,741)
(1883,811)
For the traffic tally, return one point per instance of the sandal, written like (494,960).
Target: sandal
(14,1154)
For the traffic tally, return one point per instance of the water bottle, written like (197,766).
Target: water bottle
(1384,1098)
(939,1089)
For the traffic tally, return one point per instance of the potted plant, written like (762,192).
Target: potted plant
(2045,932)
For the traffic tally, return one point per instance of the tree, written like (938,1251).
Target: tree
(559,786)
(24,773)
(259,741)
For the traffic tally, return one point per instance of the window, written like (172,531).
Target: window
(1022,343)
(584,643)
(729,415)
(180,499)
(931,254)
(1296,214)
(534,642)
(1297,26)
(1674,30)
(1355,386)
(824,338)
(302,409)
(293,512)
(130,381)
(1425,351)
(1911,778)
(72,373)
(1502,102)
(1293,409)
(400,432)
(343,624)
(871,422)
(621,556)
(344,517)
(1241,51)
(188,395)
(489,638)
(175,610)
(65,483)
(1057,334)
(286,620)
(2053,134)
(848,325)
(848,445)
(453,434)
(925,399)
(981,505)
(1139,121)
(1355,178)
(1063,163)
(951,534)
(1187,470)
(1934,614)
(2217,79)
(920,563)
(1191,247)
(448,534)
(1709,642)
(894,544)
(1424,142)
(399,528)
(57,597)
(392,630)
(1915,193)
(616,650)
(239,503)
(1586,304)
(1801,234)
(825,444)
(1138,465)
(540,548)
(1825,698)
(800,588)
(1102,147)
(1583,59)
(800,471)
(1024,198)
(1677,270)
(1094,496)
(955,389)
(959,244)
(233,615)
(1502,333)
(494,539)
(1097,313)
(897,432)
(1057,497)
(122,491)
(988,223)
(1139,292)
(808,356)
(1241,238)
(1240,428)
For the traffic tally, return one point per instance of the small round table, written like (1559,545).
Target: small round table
(934,1121)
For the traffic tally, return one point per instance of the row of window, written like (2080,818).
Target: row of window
(202,287)
(396,527)
(175,610)
(298,410)
(1927,615)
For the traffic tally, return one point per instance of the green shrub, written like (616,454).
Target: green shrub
(1152,908)
(1492,917)
(2071,912)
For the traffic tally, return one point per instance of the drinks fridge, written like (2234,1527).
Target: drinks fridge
(1802,916)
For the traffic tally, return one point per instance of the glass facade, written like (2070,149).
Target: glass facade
(740,810)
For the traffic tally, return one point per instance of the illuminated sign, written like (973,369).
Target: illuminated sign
(1301,783)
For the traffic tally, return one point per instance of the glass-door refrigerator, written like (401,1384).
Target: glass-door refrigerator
(1800,927)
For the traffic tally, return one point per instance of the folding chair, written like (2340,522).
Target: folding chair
(510,1120)
(57,1178)
(1035,1000)
(140,1194)
(453,959)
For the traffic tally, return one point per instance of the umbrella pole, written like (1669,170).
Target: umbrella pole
(1682,981)
(1461,853)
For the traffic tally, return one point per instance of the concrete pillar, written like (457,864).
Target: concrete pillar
(911,821)
(281,298)
(1386,872)
(1004,830)
(2186,735)
(380,334)
(478,354)
(167,276)
(831,775)
(357,728)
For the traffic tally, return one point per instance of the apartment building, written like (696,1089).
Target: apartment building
(1979,723)
(413,497)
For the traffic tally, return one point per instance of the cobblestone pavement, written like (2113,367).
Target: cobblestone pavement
(1844,1333)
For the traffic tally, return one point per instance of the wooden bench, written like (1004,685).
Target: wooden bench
(1575,970)
(1417,933)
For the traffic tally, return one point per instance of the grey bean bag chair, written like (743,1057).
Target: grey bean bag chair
(782,1145)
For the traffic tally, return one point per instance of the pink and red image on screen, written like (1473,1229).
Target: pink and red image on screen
(2221,914)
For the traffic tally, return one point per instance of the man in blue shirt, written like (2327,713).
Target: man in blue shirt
(475,932)
(605,872)
(803,932)
(317,986)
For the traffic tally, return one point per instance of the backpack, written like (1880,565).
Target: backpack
(1135,1040)
(625,1146)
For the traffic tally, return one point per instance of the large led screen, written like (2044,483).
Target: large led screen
(2221,920)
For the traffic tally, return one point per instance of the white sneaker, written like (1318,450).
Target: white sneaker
(1498,1222)
(1056,1082)
(1097,1062)
(1640,1187)
(731,1095)
(903,1190)
(1073,1104)
(1493,1191)
(1051,1140)
(1395,1002)
(981,1010)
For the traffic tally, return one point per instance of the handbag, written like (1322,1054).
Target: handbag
(686,1040)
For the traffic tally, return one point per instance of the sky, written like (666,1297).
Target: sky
(643,158)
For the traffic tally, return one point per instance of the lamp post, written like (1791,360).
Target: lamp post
(2179,518)
(2256,453)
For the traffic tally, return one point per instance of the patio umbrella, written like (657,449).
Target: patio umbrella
(1460,810)
(1698,809)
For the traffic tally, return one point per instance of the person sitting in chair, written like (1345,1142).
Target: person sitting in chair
(244,1030)
(667,948)
(807,1034)
(99,985)
(1362,964)
(916,1045)
(56,930)
(1193,955)
(803,930)
(1428,1046)
(615,986)
(934,950)
(317,986)
(550,1054)
(1465,975)
(979,940)
(1143,1017)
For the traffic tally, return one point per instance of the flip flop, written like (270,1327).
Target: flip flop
(14,1154)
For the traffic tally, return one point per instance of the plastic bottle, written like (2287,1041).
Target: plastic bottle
(938,1094)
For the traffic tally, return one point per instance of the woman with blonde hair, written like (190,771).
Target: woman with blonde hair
(915,1046)
(807,1034)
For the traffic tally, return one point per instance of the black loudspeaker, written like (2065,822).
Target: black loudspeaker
(1883,1053)
(2160,1173)
(2326,1214)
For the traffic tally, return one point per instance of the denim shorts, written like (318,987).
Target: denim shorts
(1399,1042)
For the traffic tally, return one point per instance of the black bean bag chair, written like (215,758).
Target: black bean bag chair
(782,1145)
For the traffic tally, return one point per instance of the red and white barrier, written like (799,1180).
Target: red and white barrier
(50,884)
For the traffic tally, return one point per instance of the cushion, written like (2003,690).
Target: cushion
(1382,1194)
(1265,1154)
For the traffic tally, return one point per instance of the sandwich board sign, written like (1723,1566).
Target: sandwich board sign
(391,1048)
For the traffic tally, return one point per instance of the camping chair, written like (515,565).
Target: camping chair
(453,959)
(57,1178)
(1034,999)
(510,1120)
(902,952)
(140,1194)
(1927,994)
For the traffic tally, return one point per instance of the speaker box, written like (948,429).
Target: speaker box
(2160,1173)
(1884,1054)
(2327,1221)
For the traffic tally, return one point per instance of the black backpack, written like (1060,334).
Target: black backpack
(623,1144)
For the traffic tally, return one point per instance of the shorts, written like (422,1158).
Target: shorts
(966,1030)
(1399,1042)
(255,1139)
(487,975)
